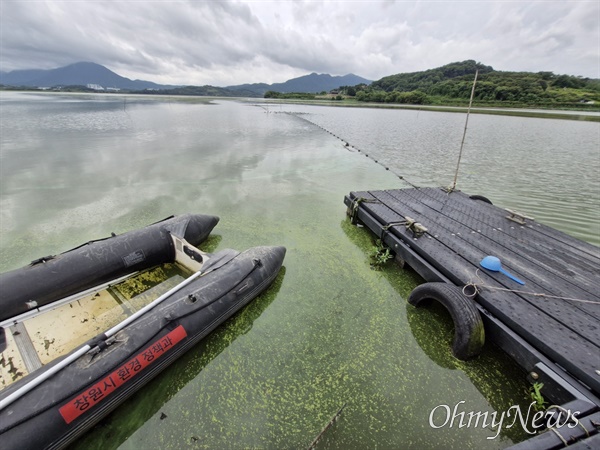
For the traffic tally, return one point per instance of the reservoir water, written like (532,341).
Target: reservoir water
(331,331)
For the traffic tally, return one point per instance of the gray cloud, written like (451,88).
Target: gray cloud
(222,43)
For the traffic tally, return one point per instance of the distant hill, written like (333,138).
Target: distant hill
(20,77)
(313,83)
(89,73)
(451,85)
(78,74)
(424,80)
(210,91)
(251,90)
(446,85)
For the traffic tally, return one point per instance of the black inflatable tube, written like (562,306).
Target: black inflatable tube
(469,334)
(52,415)
(49,279)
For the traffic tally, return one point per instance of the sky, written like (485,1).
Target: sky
(227,43)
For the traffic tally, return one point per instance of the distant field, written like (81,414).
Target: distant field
(592,116)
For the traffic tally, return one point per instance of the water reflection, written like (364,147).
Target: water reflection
(433,331)
(337,331)
(58,170)
(546,168)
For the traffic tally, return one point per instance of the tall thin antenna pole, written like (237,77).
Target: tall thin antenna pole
(464,132)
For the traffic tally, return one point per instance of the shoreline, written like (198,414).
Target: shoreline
(587,116)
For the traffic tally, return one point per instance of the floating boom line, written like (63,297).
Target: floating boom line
(349,146)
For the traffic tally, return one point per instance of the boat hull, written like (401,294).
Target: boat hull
(59,410)
(52,278)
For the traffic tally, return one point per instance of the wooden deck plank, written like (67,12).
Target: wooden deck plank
(552,268)
(550,274)
(567,334)
(473,247)
(585,257)
(545,237)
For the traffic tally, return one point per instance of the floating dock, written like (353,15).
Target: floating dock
(550,325)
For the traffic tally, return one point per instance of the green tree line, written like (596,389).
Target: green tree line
(452,84)
(290,95)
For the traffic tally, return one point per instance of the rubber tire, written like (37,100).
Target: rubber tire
(469,334)
(481,197)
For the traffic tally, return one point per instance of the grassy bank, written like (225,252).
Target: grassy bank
(542,114)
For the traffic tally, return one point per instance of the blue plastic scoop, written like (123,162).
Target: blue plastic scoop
(492,263)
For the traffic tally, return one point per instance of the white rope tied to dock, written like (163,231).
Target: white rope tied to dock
(482,284)
(570,416)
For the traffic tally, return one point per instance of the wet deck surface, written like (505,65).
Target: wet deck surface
(564,324)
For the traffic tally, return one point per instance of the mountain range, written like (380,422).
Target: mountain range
(312,83)
(97,76)
(78,74)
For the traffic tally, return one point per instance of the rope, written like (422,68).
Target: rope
(347,145)
(393,224)
(356,203)
(464,133)
(555,431)
(385,230)
(564,441)
(569,415)
(482,284)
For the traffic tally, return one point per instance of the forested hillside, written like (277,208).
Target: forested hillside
(452,83)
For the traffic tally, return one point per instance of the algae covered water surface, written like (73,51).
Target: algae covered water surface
(329,332)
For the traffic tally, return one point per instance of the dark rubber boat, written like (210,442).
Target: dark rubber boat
(52,278)
(57,403)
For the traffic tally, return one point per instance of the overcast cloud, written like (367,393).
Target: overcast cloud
(226,43)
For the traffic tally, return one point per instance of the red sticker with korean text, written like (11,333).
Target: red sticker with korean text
(102,389)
